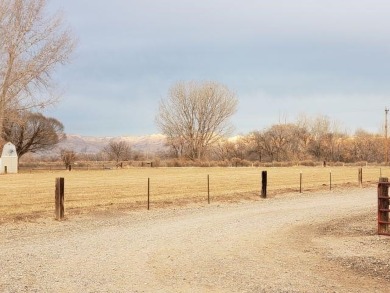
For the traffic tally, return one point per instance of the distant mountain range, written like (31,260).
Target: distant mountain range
(89,144)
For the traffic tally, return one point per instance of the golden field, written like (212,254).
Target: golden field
(30,195)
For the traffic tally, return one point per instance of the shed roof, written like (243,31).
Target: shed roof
(9,150)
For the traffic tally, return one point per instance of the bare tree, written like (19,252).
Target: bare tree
(221,150)
(326,139)
(320,128)
(226,149)
(32,132)
(177,146)
(237,147)
(32,45)
(280,138)
(118,150)
(367,146)
(302,137)
(68,157)
(256,144)
(197,113)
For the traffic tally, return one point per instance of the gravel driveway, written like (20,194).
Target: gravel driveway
(317,242)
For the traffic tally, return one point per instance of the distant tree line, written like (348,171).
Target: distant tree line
(315,140)
(195,119)
(189,114)
(308,139)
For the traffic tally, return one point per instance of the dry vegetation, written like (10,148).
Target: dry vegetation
(30,195)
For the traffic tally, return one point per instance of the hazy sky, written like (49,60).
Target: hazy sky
(281,58)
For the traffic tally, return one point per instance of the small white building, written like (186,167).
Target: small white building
(9,159)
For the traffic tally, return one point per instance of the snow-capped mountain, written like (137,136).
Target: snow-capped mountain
(89,144)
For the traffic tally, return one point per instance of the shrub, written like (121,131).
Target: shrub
(236,162)
(156,162)
(246,163)
(308,163)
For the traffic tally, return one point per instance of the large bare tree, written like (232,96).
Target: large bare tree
(197,113)
(32,44)
(33,132)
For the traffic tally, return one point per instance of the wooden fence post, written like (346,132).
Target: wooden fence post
(360,177)
(300,182)
(264,184)
(59,199)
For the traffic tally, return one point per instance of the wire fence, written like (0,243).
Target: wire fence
(31,194)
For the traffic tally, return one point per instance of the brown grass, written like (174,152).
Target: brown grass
(27,196)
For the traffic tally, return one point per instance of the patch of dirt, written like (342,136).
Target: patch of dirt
(353,243)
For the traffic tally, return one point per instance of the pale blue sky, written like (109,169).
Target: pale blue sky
(282,58)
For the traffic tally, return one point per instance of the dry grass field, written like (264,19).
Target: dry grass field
(27,196)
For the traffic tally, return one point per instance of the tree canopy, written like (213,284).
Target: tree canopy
(118,150)
(195,115)
(32,132)
(32,45)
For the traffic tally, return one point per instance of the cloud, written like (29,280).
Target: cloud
(280,57)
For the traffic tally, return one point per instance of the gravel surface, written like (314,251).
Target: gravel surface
(314,242)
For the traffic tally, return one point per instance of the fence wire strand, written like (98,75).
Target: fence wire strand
(33,193)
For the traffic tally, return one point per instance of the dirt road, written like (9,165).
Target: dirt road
(319,242)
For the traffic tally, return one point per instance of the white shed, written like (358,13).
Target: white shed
(9,159)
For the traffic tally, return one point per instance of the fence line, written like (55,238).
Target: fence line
(125,188)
